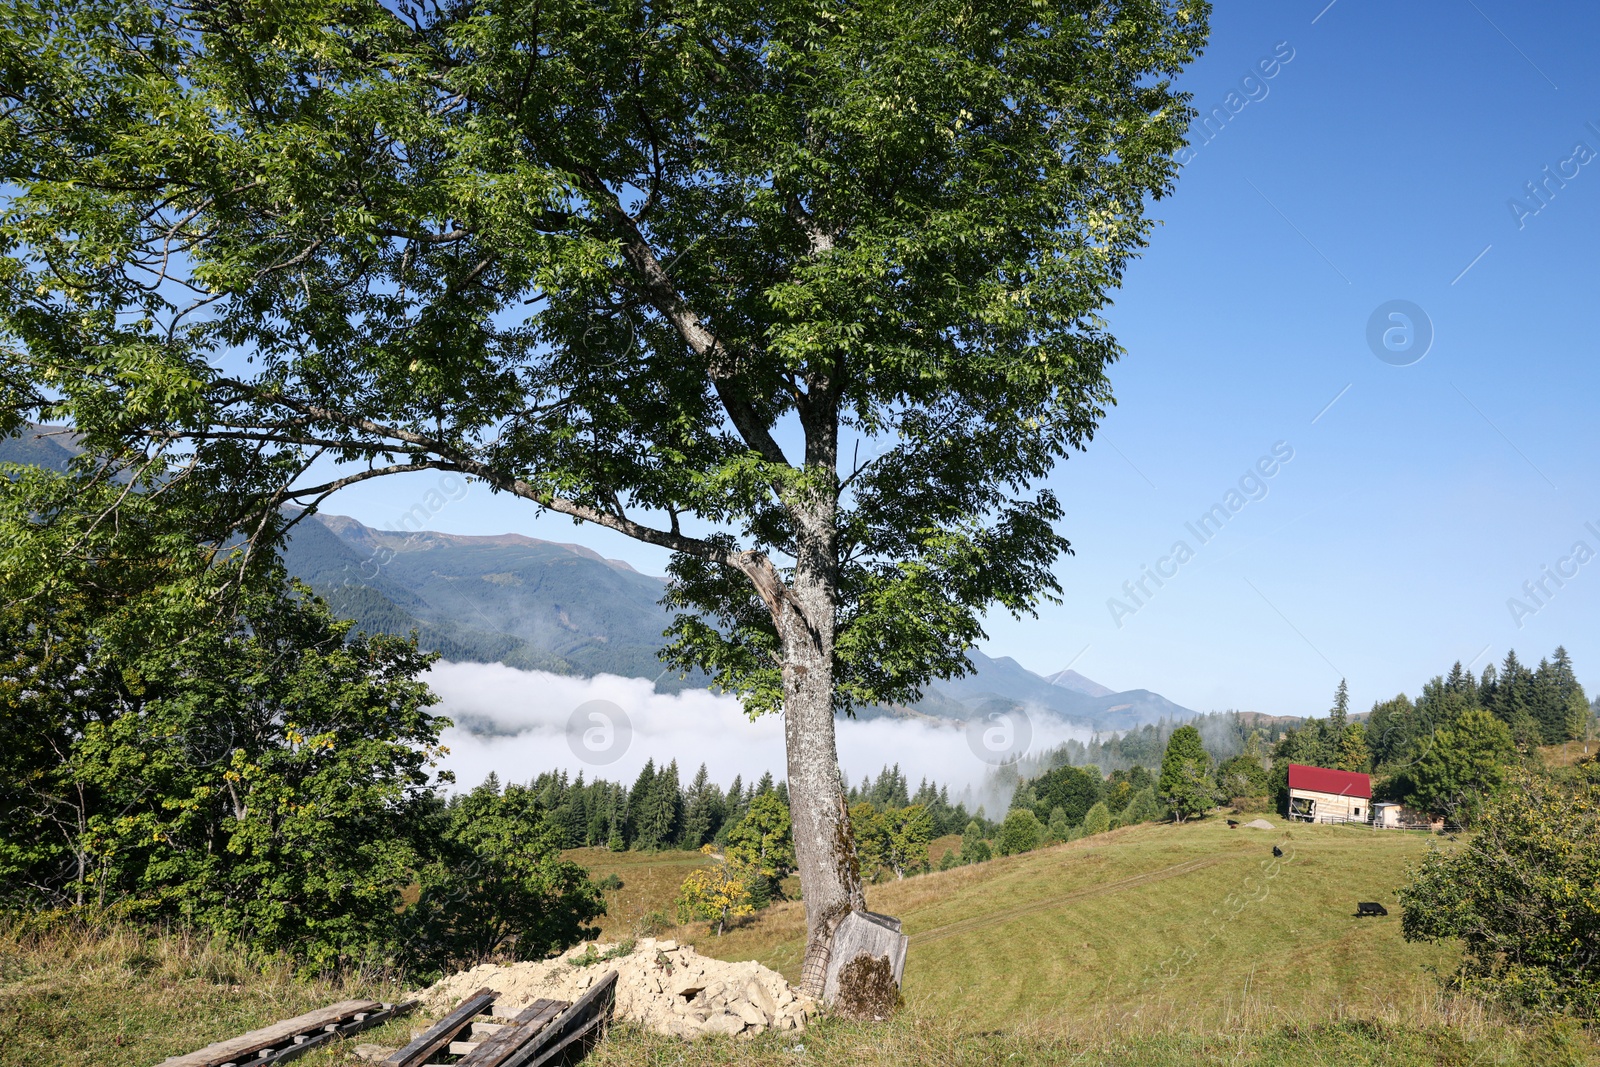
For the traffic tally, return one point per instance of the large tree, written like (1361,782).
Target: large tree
(1186,785)
(806,292)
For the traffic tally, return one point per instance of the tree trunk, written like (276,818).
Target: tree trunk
(824,848)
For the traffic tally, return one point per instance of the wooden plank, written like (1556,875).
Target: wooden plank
(588,1014)
(589,1032)
(504,1043)
(305,1043)
(245,1046)
(864,933)
(440,1034)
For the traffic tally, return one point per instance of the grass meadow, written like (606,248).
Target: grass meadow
(1150,945)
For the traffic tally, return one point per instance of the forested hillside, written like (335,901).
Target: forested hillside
(540,605)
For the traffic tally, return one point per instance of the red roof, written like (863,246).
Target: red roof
(1325,780)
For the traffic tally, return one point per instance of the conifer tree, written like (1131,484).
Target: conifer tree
(1185,785)
(641,801)
(1574,715)
(665,811)
(1511,687)
(1461,681)
(974,849)
(703,810)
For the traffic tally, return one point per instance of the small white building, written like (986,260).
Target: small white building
(1392,815)
(1321,794)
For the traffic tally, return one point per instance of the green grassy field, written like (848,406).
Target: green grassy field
(1197,920)
(650,882)
(1160,945)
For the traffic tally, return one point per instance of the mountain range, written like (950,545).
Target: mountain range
(543,605)
(564,608)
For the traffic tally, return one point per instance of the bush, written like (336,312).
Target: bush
(1523,897)
(719,894)
(1098,821)
(1059,827)
(974,849)
(500,888)
(1144,807)
(1020,832)
(1244,776)
(652,923)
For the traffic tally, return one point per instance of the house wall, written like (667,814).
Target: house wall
(1397,815)
(1333,807)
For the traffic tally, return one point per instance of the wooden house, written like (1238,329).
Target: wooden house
(1321,794)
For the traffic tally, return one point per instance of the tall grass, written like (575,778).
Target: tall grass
(75,992)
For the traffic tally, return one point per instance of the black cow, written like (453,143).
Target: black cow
(1276,851)
(1370,907)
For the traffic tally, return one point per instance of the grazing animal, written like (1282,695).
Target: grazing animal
(1233,824)
(1368,907)
(1276,851)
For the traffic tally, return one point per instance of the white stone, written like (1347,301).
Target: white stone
(757,994)
(648,992)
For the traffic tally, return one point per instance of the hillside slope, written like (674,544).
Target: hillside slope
(542,605)
(1149,919)
(531,604)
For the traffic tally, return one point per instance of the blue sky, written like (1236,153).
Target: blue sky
(1378,164)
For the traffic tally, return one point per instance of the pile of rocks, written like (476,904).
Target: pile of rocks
(662,985)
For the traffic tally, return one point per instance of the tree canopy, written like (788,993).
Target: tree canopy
(1522,896)
(187,737)
(1185,785)
(807,293)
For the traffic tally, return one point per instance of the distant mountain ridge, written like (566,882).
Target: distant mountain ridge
(538,605)
(564,608)
(50,447)
(1006,680)
(1078,683)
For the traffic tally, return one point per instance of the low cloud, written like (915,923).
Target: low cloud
(515,723)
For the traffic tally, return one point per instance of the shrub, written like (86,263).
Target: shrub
(1059,827)
(974,849)
(1020,832)
(652,923)
(1098,821)
(1523,897)
(1144,807)
(717,895)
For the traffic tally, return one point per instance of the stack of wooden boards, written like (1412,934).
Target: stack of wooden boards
(292,1038)
(544,1033)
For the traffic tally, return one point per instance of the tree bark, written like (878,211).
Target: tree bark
(824,846)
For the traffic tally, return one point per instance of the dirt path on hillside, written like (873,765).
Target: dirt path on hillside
(995,918)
